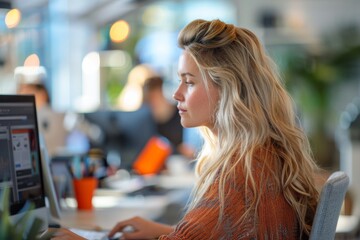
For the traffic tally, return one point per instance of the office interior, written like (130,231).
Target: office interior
(93,57)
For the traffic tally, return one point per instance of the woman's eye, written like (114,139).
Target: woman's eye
(188,83)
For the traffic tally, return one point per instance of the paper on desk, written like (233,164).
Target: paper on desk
(123,185)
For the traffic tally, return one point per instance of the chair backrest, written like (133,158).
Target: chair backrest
(329,206)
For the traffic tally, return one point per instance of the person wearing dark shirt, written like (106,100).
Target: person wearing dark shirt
(165,114)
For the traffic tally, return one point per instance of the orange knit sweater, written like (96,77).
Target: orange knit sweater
(275,218)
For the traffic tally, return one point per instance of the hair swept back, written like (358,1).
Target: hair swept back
(254,113)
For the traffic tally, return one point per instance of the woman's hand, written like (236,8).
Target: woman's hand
(140,229)
(65,234)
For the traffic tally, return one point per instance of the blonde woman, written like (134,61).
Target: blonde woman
(255,169)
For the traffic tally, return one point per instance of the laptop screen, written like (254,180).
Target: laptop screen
(20,165)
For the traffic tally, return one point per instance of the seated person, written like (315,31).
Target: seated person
(167,118)
(63,132)
(51,123)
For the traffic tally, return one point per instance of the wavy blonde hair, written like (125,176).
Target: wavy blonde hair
(254,113)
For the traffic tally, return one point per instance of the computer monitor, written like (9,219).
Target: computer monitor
(126,133)
(20,156)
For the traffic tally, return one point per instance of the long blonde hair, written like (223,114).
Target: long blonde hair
(254,113)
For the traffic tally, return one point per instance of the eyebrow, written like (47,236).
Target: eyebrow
(186,74)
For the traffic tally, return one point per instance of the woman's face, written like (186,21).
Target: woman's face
(196,105)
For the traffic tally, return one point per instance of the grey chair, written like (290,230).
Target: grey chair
(329,206)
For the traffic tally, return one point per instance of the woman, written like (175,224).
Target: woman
(255,169)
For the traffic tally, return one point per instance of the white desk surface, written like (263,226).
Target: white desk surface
(104,218)
(112,206)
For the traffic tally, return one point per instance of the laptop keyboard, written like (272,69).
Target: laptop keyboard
(94,235)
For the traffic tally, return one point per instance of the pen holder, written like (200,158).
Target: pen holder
(84,189)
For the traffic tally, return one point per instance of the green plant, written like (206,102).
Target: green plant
(312,74)
(27,227)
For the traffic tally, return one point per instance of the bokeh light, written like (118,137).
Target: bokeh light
(159,16)
(119,31)
(90,99)
(131,97)
(91,62)
(116,59)
(12,18)
(32,61)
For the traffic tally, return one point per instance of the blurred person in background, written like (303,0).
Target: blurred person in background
(50,122)
(63,132)
(166,117)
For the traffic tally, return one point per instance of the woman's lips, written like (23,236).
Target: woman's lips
(181,110)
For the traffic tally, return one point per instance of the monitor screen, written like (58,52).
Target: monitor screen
(21,167)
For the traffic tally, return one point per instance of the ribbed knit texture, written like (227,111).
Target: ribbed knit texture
(275,218)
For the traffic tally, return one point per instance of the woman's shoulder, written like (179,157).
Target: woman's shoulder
(263,164)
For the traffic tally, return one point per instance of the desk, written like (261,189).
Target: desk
(106,217)
(112,206)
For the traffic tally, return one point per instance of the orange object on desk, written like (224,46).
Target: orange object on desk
(152,158)
(84,189)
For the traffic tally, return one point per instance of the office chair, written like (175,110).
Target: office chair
(329,206)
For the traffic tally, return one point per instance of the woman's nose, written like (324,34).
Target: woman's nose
(177,96)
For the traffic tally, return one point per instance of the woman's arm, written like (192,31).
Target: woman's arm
(133,228)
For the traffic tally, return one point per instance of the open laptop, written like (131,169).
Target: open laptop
(24,163)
